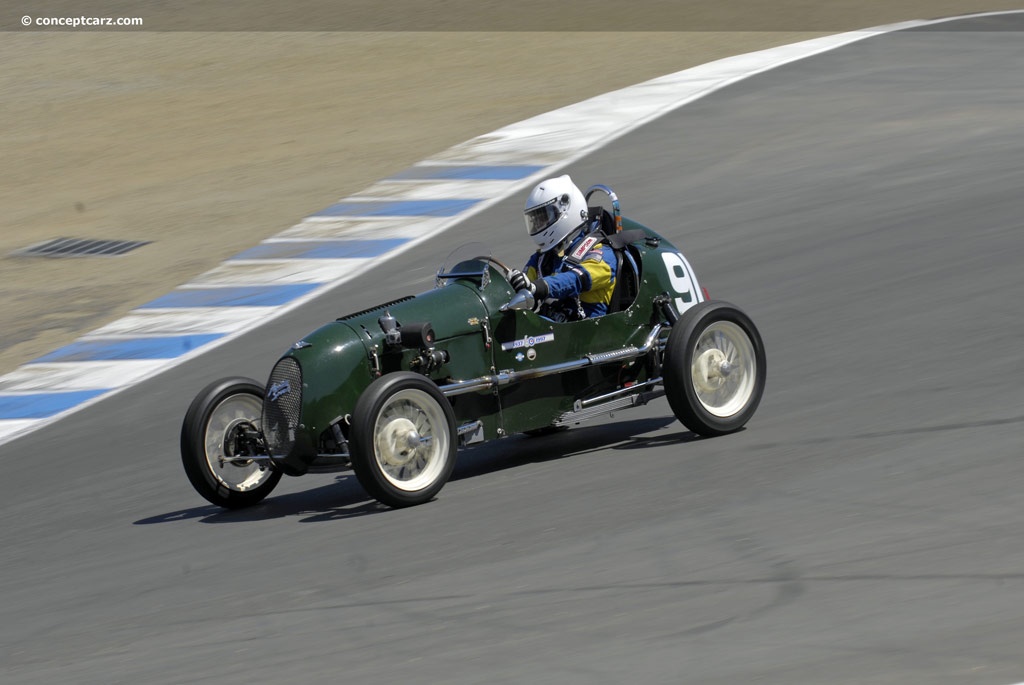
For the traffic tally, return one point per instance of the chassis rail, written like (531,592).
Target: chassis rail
(505,377)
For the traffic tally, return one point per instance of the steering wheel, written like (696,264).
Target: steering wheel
(492,260)
(522,299)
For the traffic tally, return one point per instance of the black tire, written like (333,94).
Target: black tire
(217,411)
(403,440)
(714,391)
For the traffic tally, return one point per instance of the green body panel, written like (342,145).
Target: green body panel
(535,403)
(335,370)
(458,313)
(340,359)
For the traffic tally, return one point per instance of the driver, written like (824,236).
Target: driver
(571,275)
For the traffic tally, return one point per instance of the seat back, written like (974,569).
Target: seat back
(627,267)
(627,280)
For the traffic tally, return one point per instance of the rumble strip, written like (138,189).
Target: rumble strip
(342,241)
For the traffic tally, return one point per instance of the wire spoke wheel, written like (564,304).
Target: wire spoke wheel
(724,368)
(225,453)
(714,368)
(218,445)
(403,439)
(410,440)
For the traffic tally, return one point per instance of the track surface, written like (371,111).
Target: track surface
(864,207)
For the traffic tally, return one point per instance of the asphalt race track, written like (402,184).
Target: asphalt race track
(863,206)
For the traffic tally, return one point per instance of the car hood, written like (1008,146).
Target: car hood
(453,310)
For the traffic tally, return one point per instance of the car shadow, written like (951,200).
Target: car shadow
(344,498)
(523,449)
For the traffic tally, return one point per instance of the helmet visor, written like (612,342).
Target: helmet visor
(542,217)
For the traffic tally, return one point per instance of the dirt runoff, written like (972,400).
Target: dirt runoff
(206,143)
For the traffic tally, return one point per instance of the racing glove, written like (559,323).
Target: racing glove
(520,281)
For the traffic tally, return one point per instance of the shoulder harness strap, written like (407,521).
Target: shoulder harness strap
(619,241)
(584,248)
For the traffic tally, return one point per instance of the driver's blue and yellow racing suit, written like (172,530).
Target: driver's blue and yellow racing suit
(580,280)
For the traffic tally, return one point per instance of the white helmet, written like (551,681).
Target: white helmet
(554,210)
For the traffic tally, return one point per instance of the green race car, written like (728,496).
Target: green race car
(393,391)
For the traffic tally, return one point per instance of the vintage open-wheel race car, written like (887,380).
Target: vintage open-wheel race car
(393,391)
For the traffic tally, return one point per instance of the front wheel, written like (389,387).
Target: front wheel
(402,439)
(217,436)
(714,368)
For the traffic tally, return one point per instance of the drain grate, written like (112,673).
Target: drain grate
(80,247)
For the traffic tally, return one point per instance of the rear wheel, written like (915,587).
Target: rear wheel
(714,368)
(403,447)
(216,439)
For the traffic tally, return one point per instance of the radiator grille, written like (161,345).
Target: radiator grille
(282,406)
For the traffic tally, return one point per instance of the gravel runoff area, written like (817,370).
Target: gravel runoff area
(203,142)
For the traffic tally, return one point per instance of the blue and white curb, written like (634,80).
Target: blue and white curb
(341,241)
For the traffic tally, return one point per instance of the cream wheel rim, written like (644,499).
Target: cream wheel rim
(410,439)
(724,369)
(232,413)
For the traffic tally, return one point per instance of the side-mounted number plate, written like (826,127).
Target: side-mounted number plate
(682,279)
